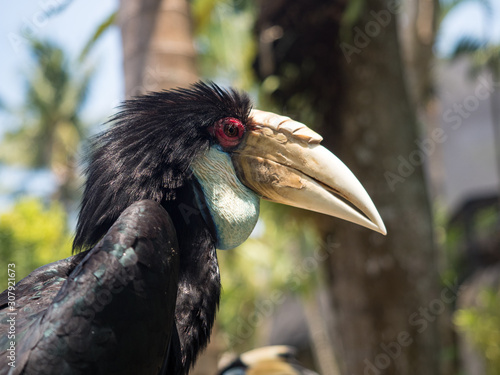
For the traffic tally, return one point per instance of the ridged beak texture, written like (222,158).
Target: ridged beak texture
(282,161)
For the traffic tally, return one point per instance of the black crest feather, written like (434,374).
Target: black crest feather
(147,151)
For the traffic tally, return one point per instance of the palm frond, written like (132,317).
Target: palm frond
(467,45)
(103,27)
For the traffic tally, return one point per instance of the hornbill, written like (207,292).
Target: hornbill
(178,174)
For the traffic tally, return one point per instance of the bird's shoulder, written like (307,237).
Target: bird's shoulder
(75,311)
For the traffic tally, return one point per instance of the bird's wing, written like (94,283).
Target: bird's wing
(113,312)
(32,295)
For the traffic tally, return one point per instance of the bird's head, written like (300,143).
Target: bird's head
(204,135)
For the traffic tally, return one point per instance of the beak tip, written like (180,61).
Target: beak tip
(380,226)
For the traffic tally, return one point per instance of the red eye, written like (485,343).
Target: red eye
(228,131)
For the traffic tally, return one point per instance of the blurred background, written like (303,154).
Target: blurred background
(405,92)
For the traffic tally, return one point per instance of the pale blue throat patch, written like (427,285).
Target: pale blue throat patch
(234,208)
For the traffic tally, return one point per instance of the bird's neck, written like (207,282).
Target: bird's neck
(197,303)
(233,208)
(199,280)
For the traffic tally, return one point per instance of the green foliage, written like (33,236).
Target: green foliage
(349,18)
(482,326)
(32,235)
(50,127)
(202,13)
(225,40)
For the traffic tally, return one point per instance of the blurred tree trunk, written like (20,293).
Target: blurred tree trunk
(383,287)
(385,292)
(417,35)
(158,49)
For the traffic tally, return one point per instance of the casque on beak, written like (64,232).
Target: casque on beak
(282,161)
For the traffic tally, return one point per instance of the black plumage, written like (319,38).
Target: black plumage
(145,155)
(103,311)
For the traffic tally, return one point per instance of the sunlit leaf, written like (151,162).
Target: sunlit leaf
(32,235)
(481,325)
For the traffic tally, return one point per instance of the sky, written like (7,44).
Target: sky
(469,18)
(72,28)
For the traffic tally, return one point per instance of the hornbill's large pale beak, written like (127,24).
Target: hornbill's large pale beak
(282,161)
